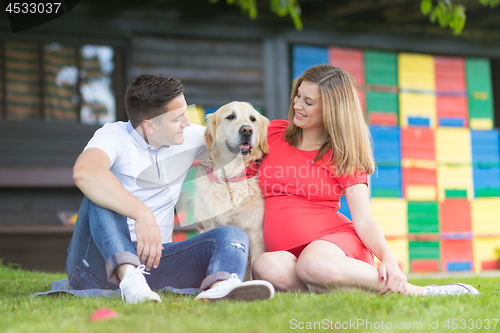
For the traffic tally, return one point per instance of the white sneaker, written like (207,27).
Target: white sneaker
(450,289)
(234,290)
(134,287)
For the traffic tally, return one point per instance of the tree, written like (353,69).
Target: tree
(444,12)
(448,14)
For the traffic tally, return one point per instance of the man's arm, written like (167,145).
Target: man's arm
(92,176)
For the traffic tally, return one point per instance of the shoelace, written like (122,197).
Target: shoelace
(136,279)
(443,292)
(234,279)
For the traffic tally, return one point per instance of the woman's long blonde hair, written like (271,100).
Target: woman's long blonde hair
(348,136)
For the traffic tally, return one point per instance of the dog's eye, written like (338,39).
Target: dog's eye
(230,117)
(253,119)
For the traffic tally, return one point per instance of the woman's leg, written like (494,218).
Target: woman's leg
(279,268)
(323,266)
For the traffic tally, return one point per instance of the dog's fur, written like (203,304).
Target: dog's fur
(229,153)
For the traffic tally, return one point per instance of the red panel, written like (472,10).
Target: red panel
(424,265)
(453,107)
(490,265)
(362,100)
(455,216)
(455,250)
(414,176)
(418,142)
(179,236)
(382,118)
(350,60)
(450,74)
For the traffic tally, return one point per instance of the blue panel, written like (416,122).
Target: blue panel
(344,208)
(485,147)
(486,177)
(304,57)
(456,235)
(451,122)
(417,121)
(386,145)
(388,178)
(210,110)
(457,266)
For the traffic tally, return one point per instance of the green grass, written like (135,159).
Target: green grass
(20,313)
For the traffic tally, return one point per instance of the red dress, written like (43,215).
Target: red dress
(302,200)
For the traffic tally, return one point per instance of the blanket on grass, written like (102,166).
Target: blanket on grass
(63,287)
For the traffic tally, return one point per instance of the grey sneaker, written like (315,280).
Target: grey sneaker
(450,289)
(234,290)
(134,287)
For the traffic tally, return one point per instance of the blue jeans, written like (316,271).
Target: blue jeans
(101,242)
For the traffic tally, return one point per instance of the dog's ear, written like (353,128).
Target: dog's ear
(210,131)
(263,134)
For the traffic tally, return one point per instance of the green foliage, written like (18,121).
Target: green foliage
(491,3)
(448,14)
(281,8)
(444,12)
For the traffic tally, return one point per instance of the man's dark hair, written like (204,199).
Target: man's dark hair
(147,96)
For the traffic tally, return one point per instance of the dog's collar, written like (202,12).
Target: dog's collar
(249,172)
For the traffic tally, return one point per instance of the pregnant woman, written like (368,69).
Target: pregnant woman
(321,153)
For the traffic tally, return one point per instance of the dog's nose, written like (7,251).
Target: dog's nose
(246,130)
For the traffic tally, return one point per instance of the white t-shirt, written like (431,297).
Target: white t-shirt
(152,175)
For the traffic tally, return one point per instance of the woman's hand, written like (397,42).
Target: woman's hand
(395,280)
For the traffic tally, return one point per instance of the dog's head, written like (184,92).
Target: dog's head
(239,127)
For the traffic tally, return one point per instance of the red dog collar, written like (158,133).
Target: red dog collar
(249,172)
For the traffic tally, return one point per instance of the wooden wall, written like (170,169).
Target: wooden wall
(214,72)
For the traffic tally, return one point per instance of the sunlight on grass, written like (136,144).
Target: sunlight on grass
(286,312)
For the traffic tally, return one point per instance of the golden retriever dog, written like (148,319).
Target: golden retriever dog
(227,190)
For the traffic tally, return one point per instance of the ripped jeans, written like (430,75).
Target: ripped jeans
(101,242)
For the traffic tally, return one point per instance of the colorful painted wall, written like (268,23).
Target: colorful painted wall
(436,190)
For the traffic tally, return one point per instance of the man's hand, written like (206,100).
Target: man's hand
(149,247)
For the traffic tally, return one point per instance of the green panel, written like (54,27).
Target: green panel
(457,194)
(424,250)
(430,207)
(188,184)
(191,234)
(479,88)
(385,193)
(382,101)
(488,192)
(423,217)
(381,68)
(190,216)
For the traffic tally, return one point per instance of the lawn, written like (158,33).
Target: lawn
(356,311)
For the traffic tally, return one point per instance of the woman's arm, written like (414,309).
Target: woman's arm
(372,237)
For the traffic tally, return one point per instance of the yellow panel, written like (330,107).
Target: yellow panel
(454,178)
(196,114)
(485,214)
(453,145)
(416,71)
(481,124)
(418,163)
(392,216)
(420,193)
(417,105)
(484,250)
(399,247)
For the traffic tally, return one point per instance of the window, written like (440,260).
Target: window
(57,82)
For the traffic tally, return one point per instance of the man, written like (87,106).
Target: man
(131,174)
